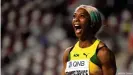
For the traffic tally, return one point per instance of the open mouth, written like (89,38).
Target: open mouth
(78,28)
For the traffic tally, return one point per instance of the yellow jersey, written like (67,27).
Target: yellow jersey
(83,61)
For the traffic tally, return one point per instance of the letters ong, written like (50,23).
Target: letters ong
(77,67)
(76,63)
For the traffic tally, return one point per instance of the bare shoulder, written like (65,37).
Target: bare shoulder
(103,49)
(105,54)
(65,59)
(107,60)
(66,53)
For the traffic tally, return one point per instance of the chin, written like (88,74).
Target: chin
(80,37)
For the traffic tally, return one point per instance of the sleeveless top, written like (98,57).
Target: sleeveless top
(83,61)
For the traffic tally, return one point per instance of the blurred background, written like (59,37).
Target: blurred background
(35,33)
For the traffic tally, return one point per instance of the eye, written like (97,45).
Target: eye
(74,16)
(82,15)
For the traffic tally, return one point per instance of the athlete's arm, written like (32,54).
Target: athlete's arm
(65,59)
(107,60)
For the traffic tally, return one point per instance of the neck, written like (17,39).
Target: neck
(87,42)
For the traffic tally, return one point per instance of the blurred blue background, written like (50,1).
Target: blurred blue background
(35,33)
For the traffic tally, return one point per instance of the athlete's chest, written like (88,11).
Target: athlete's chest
(80,63)
(80,55)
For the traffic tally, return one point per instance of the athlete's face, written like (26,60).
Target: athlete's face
(80,22)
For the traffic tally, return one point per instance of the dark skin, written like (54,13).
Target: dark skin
(86,38)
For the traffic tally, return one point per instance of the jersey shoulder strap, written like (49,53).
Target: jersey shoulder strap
(69,53)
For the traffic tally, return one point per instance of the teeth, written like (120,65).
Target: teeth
(76,25)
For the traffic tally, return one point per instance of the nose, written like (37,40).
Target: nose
(76,19)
